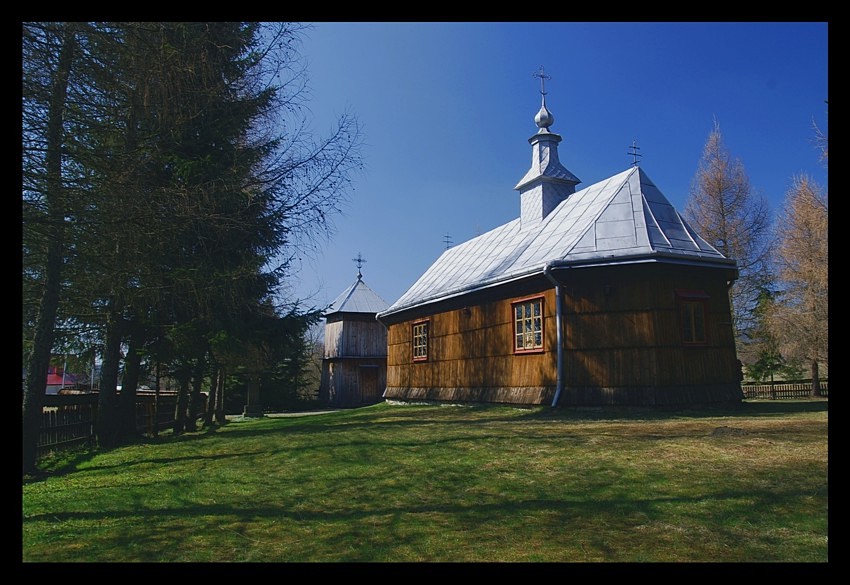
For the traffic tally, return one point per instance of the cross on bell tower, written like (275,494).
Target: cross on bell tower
(360,261)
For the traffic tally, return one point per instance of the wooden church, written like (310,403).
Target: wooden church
(354,363)
(591,297)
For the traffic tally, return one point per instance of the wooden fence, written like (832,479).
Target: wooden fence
(783,391)
(69,420)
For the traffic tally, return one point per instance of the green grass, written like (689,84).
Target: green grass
(392,483)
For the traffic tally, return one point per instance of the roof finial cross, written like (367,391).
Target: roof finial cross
(634,148)
(543,77)
(360,261)
(544,117)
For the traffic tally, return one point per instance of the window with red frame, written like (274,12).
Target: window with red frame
(528,325)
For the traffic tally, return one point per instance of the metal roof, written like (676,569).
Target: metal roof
(357,298)
(624,218)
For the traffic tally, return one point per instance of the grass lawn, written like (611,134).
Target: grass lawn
(421,483)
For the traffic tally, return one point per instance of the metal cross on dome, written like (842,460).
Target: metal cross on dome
(543,77)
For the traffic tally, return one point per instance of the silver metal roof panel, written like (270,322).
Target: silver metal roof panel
(357,298)
(624,216)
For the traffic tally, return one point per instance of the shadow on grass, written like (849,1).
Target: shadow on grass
(486,414)
(747,408)
(417,415)
(61,463)
(787,406)
(751,500)
(67,461)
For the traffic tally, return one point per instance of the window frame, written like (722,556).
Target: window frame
(515,334)
(692,312)
(425,324)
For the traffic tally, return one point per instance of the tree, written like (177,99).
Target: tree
(726,212)
(197,183)
(822,142)
(766,360)
(49,54)
(800,320)
(288,356)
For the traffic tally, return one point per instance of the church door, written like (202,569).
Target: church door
(368,384)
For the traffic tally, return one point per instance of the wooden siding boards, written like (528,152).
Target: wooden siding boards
(629,334)
(355,349)
(353,382)
(622,335)
(471,358)
(355,338)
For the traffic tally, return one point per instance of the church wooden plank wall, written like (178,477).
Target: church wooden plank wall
(353,382)
(623,345)
(470,351)
(360,338)
(623,329)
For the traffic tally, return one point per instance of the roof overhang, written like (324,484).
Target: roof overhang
(402,313)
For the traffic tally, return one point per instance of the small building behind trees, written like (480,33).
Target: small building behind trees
(354,363)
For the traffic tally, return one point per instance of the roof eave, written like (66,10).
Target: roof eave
(553,265)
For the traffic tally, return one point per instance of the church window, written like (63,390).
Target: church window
(692,309)
(528,325)
(420,341)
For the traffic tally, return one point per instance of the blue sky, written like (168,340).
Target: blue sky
(447,108)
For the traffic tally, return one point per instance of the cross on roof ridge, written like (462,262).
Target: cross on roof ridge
(634,148)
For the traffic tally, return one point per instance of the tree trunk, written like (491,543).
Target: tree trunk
(213,400)
(183,379)
(39,358)
(219,399)
(127,399)
(156,404)
(210,409)
(253,406)
(815,379)
(195,396)
(108,421)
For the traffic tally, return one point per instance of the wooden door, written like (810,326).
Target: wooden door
(368,384)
